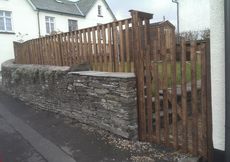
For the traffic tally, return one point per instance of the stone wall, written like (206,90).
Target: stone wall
(105,100)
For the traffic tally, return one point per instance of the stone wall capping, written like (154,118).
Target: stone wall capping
(104,74)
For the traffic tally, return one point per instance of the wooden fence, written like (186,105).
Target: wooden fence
(106,47)
(174,101)
(173,82)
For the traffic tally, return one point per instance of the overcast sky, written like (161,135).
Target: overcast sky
(159,8)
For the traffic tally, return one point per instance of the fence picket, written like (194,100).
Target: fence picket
(110,51)
(104,53)
(194,99)
(165,88)
(184,95)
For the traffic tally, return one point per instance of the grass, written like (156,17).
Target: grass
(108,67)
(178,72)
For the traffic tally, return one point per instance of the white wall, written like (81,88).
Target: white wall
(6,47)
(194,15)
(23,21)
(218,72)
(61,21)
(92,18)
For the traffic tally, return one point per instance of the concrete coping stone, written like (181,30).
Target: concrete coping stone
(122,75)
(10,63)
(104,74)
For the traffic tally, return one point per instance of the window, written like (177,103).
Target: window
(5,21)
(99,10)
(49,24)
(73,25)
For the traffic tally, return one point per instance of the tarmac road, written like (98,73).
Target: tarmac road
(29,135)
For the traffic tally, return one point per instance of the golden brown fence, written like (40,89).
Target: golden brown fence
(173,94)
(106,47)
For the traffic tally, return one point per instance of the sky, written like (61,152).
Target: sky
(159,8)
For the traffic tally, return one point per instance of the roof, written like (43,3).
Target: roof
(162,23)
(60,6)
(79,8)
(85,5)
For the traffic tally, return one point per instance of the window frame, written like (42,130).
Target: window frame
(49,22)
(71,28)
(99,11)
(5,17)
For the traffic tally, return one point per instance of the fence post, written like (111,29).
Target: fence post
(140,21)
(209,101)
(60,49)
(15,44)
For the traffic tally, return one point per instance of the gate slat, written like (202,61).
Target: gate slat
(157,87)
(174,93)
(204,143)
(184,96)
(194,100)
(165,88)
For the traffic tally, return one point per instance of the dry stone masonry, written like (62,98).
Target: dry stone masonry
(105,100)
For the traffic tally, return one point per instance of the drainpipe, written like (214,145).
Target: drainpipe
(178,19)
(39,28)
(227,80)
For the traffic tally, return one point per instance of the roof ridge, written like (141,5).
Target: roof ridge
(79,8)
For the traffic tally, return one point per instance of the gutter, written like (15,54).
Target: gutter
(227,80)
(39,27)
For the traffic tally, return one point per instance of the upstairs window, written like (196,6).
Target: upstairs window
(72,25)
(5,21)
(99,11)
(49,24)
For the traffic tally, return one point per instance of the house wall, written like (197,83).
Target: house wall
(25,21)
(61,22)
(92,18)
(218,72)
(194,15)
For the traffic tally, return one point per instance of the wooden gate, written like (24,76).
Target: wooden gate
(173,91)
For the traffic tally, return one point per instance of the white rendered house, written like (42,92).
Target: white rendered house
(21,20)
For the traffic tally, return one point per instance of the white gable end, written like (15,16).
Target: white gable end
(93,18)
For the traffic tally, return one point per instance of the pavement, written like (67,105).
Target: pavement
(31,135)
